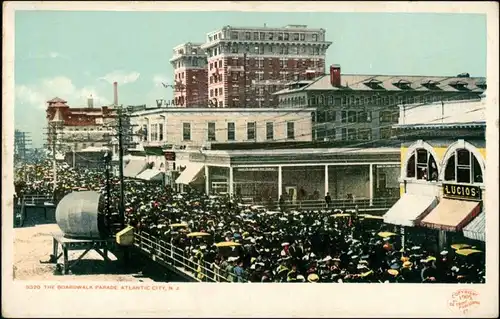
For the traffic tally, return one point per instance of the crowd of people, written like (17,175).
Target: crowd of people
(263,245)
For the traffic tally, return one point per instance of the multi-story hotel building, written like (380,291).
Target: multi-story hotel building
(190,73)
(247,65)
(358,108)
(79,128)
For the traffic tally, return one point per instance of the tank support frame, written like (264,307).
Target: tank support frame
(101,246)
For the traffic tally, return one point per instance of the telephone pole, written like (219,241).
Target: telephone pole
(120,163)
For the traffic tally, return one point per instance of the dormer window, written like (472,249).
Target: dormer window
(459,85)
(373,84)
(481,84)
(402,84)
(431,85)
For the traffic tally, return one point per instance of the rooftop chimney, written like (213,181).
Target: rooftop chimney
(90,102)
(115,91)
(335,79)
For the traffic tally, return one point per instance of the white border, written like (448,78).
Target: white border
(252,300)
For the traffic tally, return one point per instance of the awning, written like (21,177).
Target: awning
(451,214)
(151,174)
(475,229)
(409,209)
(190,173)
(134,167)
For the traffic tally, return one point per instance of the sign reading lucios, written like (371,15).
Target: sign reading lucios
(462,191)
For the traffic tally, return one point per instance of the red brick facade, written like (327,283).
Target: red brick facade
(191,87)
(233,71)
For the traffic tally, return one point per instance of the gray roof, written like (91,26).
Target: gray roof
(308,151)
(389,83)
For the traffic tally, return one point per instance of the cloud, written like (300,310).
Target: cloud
(50,55)
(121,77)
(37,95)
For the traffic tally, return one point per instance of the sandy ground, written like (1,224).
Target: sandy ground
(34,244)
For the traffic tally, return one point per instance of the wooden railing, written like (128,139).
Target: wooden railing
(173,257)
(363,204)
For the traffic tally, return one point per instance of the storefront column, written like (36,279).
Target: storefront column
(442,239)
(207,181)
(402,232)
(280,182)
(371,184)
(327,187)
(231,182)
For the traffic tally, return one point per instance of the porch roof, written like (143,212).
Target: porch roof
(304,156)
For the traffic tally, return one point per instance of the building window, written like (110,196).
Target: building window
(385,116)
(351,134)
(365,134)
(343,116)
(364,117)
(211,131)
(270,131)
(144,132)
(211,91)
(234,35)
(186,131)
(286,36)
(290,130)
(161,131)
(352,116)
(295,37)
(422,165)
(231,131)
(315,37)
(251,134)
(463,167)
(344,134)
(256,35)
(220,91)
(386,132)
(247,36)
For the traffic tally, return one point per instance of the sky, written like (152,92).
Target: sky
(73,54)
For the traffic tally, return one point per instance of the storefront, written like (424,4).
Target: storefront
(442,189)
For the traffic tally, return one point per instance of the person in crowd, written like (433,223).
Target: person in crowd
(328,200)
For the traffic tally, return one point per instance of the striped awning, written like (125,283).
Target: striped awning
(409,209)
(134,167)
(150,175)
(475,229)
(451,215)
(190,173)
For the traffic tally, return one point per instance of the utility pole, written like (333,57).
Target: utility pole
(245,79)
(120,163)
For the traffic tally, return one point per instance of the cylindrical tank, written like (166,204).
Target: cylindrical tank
(78,216)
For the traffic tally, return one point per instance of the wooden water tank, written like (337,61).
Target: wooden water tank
(78,216)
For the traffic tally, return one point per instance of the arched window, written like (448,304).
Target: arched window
(463,167)
(422,165)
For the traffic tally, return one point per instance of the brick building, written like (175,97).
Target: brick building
(79,128)
(247,65)
(363,108)
(190,73)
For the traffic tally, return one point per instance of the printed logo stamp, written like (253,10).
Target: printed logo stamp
(464,301)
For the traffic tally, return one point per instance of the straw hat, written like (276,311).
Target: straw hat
(393,272)
(313,278)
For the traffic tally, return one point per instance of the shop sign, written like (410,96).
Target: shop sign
(467,192)
(256,169)
(170,156)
